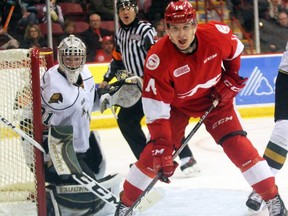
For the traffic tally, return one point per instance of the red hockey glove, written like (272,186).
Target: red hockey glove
(162,158)
(228,88)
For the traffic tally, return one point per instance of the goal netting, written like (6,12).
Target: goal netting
(22,183)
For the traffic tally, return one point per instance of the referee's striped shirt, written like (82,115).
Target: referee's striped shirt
(131,49)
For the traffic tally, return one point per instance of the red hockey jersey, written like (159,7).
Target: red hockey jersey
(184,81)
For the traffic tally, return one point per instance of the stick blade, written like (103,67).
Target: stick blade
(153,197)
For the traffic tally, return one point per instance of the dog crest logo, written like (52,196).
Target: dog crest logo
(56,98)
(153,62)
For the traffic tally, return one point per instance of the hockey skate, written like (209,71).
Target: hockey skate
(190,168)
(255,202)
(121,210)
(276,207)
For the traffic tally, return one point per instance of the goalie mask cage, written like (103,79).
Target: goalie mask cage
(22,183)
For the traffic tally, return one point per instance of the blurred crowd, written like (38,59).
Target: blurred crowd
(94,23)
(273,22)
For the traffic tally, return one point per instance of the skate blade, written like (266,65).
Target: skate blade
(191,171)
(263,211)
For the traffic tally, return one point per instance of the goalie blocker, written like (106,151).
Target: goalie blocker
(65,196)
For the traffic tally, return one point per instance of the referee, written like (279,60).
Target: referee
(133,40)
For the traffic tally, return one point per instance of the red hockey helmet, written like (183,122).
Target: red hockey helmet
(180,12)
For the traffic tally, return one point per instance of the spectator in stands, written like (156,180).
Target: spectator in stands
(275,6)
(243,11)
(159,25)
(30,5)
(105,9)
(33,38)
(6,40)
(28,18)
(69,28)
(283,18)
(92,37)
(17,15)
(56,13)
(273,36)
(104,55)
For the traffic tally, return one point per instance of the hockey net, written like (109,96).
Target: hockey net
(21,165)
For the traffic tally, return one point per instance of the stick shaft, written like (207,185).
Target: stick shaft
(22,134)
(97,189)
(9,17)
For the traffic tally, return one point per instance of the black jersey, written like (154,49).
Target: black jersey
(132,44)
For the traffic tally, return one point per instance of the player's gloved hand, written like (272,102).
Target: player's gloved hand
(162,159)
(105,98)
(105,102)
(228,87)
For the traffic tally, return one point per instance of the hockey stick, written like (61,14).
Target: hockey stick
(22,134)
(96,188)
(9,17)
(159,174)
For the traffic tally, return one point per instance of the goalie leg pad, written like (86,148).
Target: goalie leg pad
(77,200)
(74,200)
(61,150)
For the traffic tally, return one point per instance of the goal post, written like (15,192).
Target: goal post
(22,181)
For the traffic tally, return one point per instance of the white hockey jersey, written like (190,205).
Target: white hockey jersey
(67,104)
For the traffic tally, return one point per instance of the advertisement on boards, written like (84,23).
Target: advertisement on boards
(262,72)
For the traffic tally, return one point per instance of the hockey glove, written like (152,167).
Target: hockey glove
(163,160)
(228,87)
(123,93)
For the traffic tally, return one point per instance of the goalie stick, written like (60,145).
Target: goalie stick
(22,134)
(96,188)
(159,174)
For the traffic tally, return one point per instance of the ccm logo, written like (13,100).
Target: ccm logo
(221,121)
(232,87)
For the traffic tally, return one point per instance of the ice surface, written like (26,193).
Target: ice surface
(219,190)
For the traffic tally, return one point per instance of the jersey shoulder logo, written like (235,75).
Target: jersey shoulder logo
(222,28)
(153,62)
(56,98)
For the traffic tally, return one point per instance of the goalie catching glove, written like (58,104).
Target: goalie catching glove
(123,93)
(228,87)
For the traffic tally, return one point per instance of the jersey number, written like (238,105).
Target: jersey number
(151,85)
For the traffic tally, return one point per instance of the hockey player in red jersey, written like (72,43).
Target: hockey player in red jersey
(184,72)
